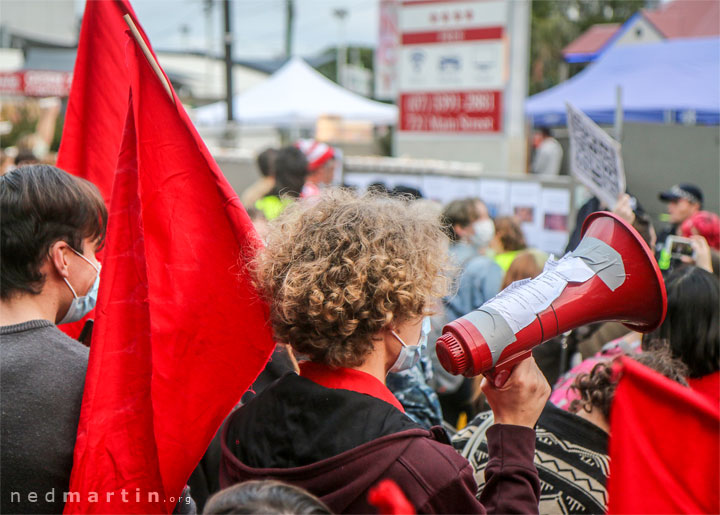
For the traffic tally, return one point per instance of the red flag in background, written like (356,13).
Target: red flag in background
(180,332)
(97,106)
(664,446)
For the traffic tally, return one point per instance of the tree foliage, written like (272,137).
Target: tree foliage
(556,23)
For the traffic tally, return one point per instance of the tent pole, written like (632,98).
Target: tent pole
(618,125)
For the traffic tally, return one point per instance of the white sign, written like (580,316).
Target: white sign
(595,158)
(452,66)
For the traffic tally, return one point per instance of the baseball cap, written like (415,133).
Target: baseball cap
(316,152)
(689,192)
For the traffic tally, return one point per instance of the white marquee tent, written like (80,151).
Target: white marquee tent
(295,96)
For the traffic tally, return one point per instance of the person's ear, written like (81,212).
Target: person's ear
(461,231)
(58,258)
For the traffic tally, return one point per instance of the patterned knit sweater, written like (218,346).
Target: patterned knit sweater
(570,455)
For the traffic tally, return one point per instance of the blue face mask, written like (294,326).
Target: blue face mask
(410,354)
(81,306)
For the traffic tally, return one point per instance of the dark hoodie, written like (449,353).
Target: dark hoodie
(338,443)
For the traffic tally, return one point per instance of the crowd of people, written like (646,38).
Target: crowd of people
(359,287)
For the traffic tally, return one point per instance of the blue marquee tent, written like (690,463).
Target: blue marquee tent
(674,80)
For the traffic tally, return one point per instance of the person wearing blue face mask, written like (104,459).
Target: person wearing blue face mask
(52,224)
(410,378)
(350,282)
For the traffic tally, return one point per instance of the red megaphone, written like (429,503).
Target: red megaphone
(626,286)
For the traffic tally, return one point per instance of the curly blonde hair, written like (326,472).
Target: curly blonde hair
(338,269)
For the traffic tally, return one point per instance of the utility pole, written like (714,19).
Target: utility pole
(228,40)
(340,57)
(289,16)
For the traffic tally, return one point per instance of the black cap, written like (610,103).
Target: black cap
(689,192)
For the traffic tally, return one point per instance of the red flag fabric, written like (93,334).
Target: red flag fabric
(664,446)
(97,106)
(181,332)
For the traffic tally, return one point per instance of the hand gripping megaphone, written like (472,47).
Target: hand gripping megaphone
(610,276)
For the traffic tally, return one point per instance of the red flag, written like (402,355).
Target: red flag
(97,106)
(181,332)
(664,446)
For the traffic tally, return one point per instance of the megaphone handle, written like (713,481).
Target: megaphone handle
(508,366)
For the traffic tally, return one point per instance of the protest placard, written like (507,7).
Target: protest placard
(595,157)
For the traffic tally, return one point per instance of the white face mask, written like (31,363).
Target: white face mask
(81,306)
(484,232)
(410,354)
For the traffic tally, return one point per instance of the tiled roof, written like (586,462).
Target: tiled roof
(592,40)
(686,18)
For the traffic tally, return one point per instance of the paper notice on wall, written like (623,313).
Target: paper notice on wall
(362,181)
(525,207)
(495,194)
(555,204)
(595,157)
(444,189)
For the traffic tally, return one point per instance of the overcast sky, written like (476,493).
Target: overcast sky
(259,25)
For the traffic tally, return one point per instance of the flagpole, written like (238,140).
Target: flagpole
(148,55)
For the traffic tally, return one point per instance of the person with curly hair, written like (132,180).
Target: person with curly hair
(350,281)
(571,452)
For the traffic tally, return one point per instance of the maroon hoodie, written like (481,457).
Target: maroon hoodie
(338,443)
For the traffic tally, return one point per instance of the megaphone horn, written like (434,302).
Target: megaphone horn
(610,276)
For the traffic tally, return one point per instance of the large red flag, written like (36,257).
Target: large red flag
(97,106)
(181,332)
(664,446)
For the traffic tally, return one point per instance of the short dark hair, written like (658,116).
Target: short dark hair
(460,212)
(597,388)
(266,162)
(691,324)
(291,169)
(265,497)
(40,205)
(545,131)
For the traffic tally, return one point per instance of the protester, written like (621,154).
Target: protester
(508,241)
(321,166)
(290,173)
(271,497)
(548,153)
(350,280)
(683,201)
(261,187)
(571,452)
(412,387)
(52,225)
(691,327)
(705,224)
(470,230)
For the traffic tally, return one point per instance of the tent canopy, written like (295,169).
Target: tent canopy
(296,96)
(676,80)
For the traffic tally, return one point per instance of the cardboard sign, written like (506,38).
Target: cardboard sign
(595,158)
